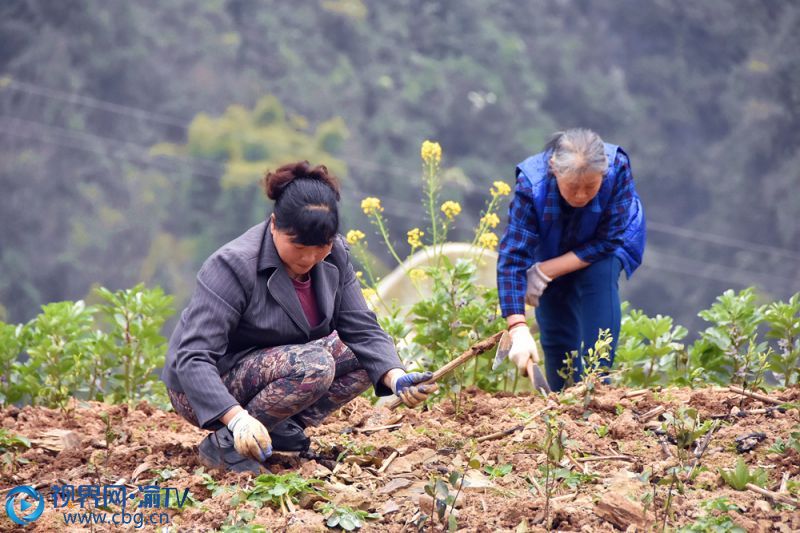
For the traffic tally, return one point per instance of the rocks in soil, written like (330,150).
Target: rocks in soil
(620,511)
(394,485)
(624,426)
(57,440)
(745,443)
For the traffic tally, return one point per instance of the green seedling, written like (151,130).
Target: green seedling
(685,427)
(566,477)
(601,431)
(741,475)
(345,517)
(212,485)
(239,522)
(498,471)
(715,518)
(441,490)
(279,491)
(10,446)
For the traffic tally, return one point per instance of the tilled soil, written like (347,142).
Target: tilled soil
(629,490)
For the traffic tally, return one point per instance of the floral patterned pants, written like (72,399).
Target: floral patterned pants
(307,380)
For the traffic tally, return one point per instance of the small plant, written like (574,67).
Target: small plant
(594,370)
(567,477)
(212,485)
(715,519)
(15,382)
(239,522)
(781,446)
(498,471)
(649,351)
(345,517)
(10,446)
(135,317)
(441,492)
(279,491)
(601,431)
(109,433)
(59,347)
(720,350)
(554,446)
(784,321)
(685,427)
(741,475)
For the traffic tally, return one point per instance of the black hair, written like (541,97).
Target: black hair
(305,202)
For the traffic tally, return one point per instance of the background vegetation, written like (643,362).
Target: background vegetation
(132,134)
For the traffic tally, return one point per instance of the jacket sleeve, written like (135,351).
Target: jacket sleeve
(516,250)
(614,218)
(358,328)
(213,312)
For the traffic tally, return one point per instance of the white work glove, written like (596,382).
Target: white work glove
(523,347)
(537,283)
(250,437)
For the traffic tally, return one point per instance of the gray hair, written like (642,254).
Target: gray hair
(576,152)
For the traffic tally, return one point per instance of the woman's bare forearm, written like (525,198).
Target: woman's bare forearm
(562,265)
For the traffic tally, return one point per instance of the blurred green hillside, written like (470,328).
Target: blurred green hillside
(133,134)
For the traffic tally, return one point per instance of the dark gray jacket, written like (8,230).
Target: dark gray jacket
(244,300)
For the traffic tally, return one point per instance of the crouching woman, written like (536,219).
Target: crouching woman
(277,334)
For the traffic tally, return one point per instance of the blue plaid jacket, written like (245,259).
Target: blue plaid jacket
(539,229)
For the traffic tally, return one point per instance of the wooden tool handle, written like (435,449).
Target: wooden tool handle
(473,351)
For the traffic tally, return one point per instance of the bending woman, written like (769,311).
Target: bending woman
(277,334)
(575,222)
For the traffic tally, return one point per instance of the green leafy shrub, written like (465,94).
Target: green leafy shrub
(107,352)
(649,351)
(720,352)
(58,347)
(784,321)
(134,318)
(16,381)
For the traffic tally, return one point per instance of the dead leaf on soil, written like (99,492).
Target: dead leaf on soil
(394,485)
(57,440)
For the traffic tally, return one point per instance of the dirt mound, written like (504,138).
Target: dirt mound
(614,472)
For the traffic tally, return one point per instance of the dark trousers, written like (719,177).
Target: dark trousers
(571,313)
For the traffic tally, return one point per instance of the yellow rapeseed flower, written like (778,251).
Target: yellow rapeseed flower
(451,209)
(491,220)
(368,293)
(417,274)
(500,188)
(359,274)
(488,240)
(354,236)
(431,152)
(415,237)
(371,205)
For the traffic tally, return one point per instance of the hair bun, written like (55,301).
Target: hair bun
(276,182)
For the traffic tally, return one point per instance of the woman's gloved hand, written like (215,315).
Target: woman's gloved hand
(407,388)
(250,437)
(537,283)
(523,347)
